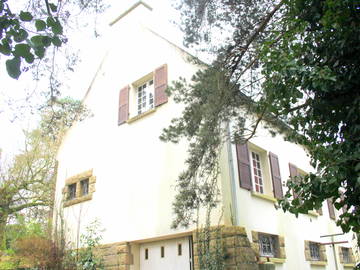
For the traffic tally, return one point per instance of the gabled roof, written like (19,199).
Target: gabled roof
(129,10)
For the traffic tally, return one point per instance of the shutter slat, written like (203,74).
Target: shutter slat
(331,208)
(242,153)
(276,176)
(123,105)
(294,173)
(160,84)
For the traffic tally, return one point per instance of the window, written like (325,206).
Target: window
(314,251)
(162,252)
(84,185)
(71,192)
(346,256)
(146,254)
(257,174)
(268,245)
(259,171)
(79,188)
(179,249)
(145,96)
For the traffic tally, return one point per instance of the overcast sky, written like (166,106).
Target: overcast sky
(14,118)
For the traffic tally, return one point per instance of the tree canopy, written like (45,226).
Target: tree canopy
(292,64)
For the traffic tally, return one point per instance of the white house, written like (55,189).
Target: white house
(113,167)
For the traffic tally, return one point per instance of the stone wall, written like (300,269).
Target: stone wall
(236,246)
(116,256)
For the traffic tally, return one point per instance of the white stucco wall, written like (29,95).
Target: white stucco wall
(135,171)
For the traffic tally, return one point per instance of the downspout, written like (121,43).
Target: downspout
(233,206)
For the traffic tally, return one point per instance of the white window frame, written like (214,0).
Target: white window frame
(259,186)
(145,96)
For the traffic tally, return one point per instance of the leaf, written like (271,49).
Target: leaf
(25,16)
(21,35)
(30,58)
(37,41)
(53,7)
(55,25)
(56,41)
(40,52)
(13,67)
(22,50)
(40,25)
(46,41)
(5,48)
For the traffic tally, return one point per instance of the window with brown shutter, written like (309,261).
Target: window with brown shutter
(276,177)
(331,209)
(161,80)
(294,173)
(123,105)
(242,153)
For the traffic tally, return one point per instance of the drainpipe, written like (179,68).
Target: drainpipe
(234,208)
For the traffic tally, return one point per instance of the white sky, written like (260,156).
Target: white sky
(11,135)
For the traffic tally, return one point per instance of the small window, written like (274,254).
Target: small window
(162,252)
(314,251)
(346,255)
(145,96)
(268,245)
(71,191)
(146,254)
(257,173)
(84,185)
(179,249)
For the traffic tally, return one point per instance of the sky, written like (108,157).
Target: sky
(16,114)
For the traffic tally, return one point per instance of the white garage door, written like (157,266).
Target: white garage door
(171,254)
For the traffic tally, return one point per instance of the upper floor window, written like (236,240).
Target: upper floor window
(259,170)
(145,96)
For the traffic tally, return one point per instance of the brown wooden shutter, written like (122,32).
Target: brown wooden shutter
(124,105)
(160,84)
(242,153)
(293,173)
(331,208)
(276,177)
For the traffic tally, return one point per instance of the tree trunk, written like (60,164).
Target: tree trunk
(3,221)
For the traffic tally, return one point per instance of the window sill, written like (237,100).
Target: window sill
(264,197)
(273,260)
(78,200)
(139,116)
(318,263)
(313,213)
(348,265)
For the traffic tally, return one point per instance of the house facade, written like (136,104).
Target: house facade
(113,168)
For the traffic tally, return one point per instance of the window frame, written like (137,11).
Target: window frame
(273,245)
(315,253)
(76,184)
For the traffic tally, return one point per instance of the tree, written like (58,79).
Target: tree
(292,65)
(28,182)
(26,35)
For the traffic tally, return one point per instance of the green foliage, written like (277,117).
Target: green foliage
(87,259)
(15,31)
(297,70)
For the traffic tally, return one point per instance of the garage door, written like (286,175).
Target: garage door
(173,254)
